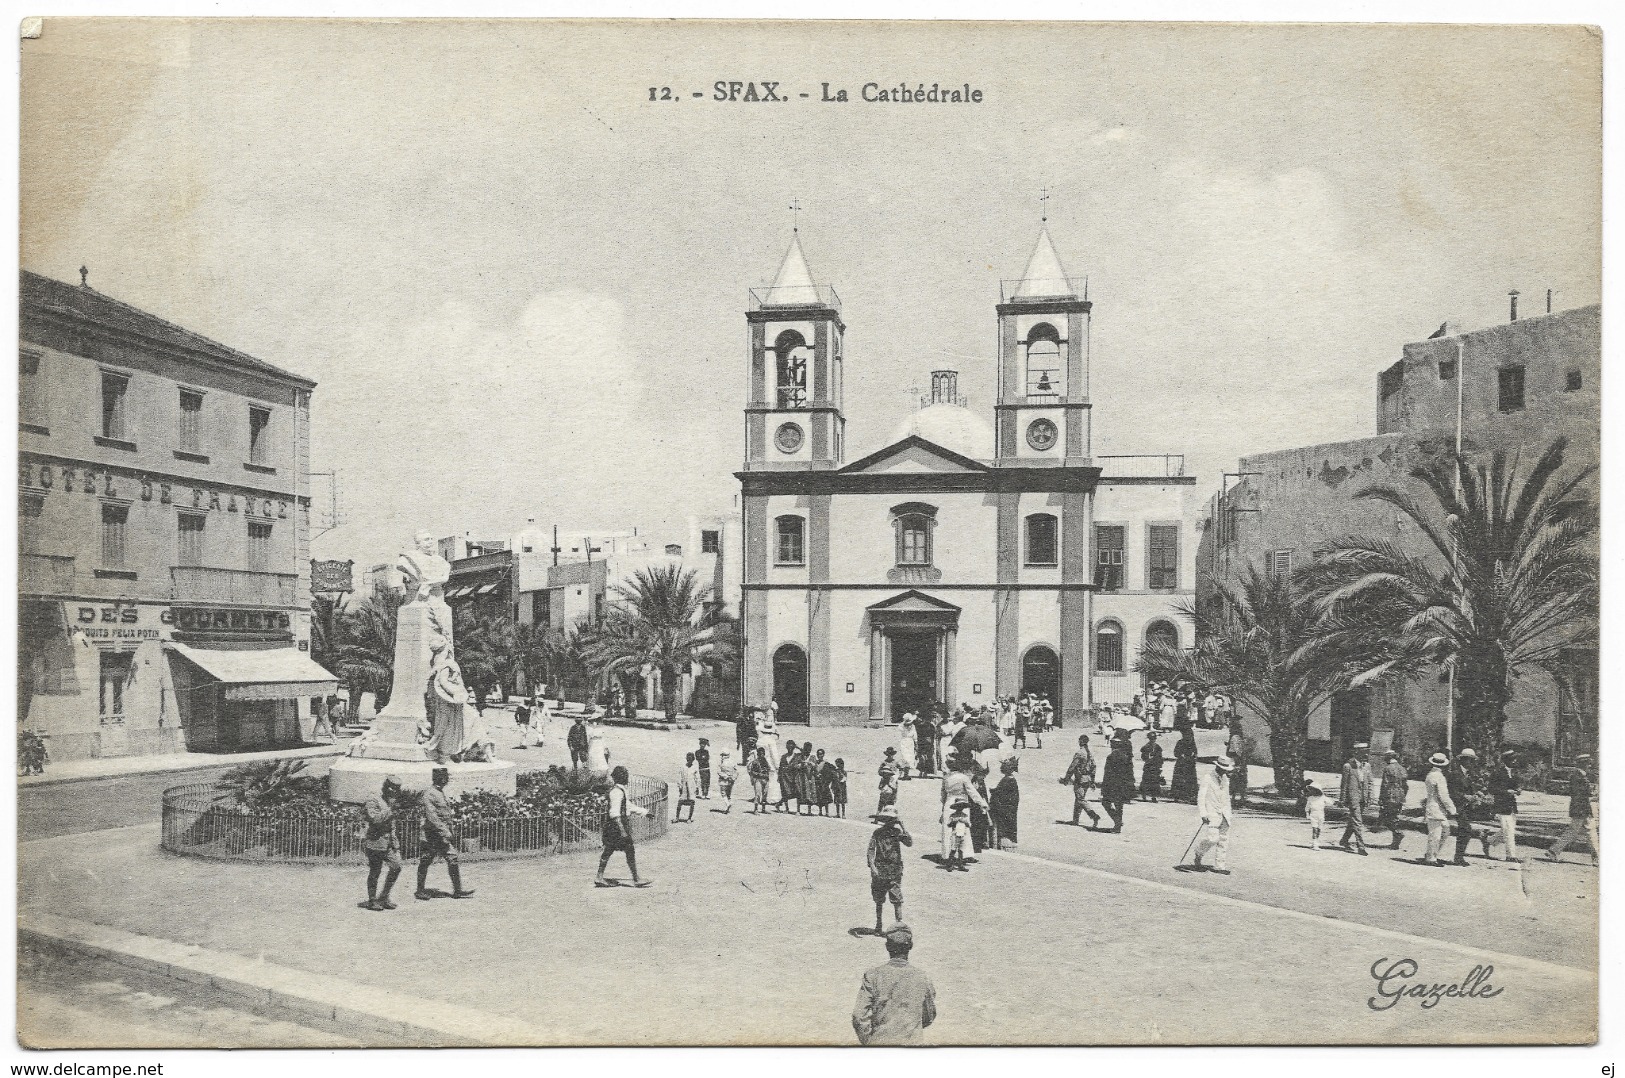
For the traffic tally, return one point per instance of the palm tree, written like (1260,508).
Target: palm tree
(485,652)
(564,660)
(363,654)
(1510,584)
(1262,642)
(662,619)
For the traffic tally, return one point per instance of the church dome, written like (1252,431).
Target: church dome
(948,423)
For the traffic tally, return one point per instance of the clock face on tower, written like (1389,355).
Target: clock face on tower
(788,438)
(1041,434)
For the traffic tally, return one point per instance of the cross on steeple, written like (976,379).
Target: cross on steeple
(1043,211)
(795,211)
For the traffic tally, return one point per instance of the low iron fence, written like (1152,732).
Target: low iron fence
(197,823)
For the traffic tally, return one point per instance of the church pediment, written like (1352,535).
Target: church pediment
(914,455)
(914,604)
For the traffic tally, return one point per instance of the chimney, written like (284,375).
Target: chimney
(1514,297)
(944,387)
(1548,301)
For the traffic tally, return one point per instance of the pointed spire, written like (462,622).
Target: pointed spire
(1045,276)
(794,284)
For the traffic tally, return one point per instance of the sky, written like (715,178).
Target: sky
(520,284)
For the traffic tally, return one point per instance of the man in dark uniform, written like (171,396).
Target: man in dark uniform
(1081,774)
(1466,790)
(576,739)
(381,846)
(437,837)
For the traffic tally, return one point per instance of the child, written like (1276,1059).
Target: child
(1314,807)
(760,771)
(521,715)
(837,788)
(886,863)
(958,836)
(702,758)
(726,773)
(888,786)
(686,782)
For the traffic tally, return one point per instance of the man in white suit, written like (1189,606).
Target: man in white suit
(1213,802)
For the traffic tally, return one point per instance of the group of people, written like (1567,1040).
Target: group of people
(1164,706)
(804,781)
(382,845)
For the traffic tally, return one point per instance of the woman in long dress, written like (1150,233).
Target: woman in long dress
(1151,768)
(957,785)
(1183,787)
(925,745)
(906,745)
(1117,780)
(1004,804)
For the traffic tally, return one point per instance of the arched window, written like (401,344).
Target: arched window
(1045,376)
(914,522)
(791,548)
(790,683)
(790,348)
(1165,632)
(1043,540)
(1108,648)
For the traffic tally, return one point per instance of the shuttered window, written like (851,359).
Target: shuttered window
(189,538)
(191,424)
(114,520)
(1162,557)
(259,547)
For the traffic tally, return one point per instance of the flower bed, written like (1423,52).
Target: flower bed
(278,814)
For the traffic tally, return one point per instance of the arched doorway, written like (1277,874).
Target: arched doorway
(1163,632)
(790,683)
(1041,675)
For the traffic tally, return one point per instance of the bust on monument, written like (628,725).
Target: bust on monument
(427,690)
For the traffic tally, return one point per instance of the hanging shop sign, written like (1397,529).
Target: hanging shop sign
(331,576)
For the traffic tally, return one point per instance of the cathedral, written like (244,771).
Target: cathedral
(964,560)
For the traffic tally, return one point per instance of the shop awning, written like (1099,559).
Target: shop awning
(261,673)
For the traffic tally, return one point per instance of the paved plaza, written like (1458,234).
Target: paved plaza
(1078,937)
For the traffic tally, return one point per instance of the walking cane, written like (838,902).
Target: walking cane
(1194,837)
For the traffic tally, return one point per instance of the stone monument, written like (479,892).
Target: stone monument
(423,725)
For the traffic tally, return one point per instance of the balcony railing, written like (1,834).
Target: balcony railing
(46,574)
(1142,464)
(233,587)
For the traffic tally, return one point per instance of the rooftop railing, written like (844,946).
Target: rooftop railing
(1142,464)
(1023,289)
(802,295)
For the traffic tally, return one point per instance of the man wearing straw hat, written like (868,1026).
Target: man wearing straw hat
(1355,793)
(896,1001)
(1213,802)
(1437,807)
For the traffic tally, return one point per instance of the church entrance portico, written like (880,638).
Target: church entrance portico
(912,639)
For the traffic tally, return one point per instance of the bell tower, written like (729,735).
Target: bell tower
(1042,414)
(793,416)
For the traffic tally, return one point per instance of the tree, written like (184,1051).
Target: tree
(1510,583)
(662,619)
(363,653)
(1263,642)
(564,661)
(484,646)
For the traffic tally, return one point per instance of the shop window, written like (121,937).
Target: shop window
(1109,557)
(710,542)
(115,387)
(1162,557)
(115,519)
(259,547)
(189,538)
(1109,648)
(1043,540)
(190,434)
(116,670)
(1510,381)
(259,436)
(791,548)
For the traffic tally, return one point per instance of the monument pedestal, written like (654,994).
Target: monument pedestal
(356,778)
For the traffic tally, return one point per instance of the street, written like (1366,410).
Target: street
(1078,931)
